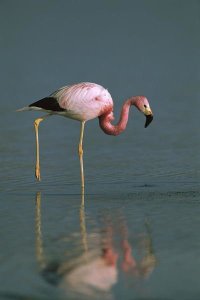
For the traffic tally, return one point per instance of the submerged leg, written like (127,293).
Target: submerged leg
(37,166)
(80,151)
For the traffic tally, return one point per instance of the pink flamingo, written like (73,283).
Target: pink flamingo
(82,102)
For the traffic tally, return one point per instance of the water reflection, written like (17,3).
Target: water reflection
(39,242)
(103,255)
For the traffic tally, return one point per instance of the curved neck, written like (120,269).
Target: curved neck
(105,119)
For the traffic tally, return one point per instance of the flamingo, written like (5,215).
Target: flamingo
(82,102)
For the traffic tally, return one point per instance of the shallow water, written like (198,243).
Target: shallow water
(148,200)
(137,234)
(50,239)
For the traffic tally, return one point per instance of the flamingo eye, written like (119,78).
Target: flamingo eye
(145,106)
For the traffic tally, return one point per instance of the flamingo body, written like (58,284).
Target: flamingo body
(83,101)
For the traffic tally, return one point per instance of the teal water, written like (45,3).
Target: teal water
(137,235)
(148,199)
(48,238)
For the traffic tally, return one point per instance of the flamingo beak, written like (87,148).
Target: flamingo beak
(149,117)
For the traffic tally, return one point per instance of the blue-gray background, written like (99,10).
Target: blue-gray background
(130,47)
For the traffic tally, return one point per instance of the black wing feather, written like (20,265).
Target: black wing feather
(48,103)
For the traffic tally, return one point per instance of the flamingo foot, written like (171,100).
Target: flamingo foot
(37,173)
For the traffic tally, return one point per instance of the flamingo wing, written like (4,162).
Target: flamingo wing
(82,101)
(47,103)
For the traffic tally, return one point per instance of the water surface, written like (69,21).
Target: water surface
(137,235)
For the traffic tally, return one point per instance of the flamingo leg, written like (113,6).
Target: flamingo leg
(37,166)
(80,151)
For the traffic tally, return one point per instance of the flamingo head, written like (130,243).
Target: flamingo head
(143,106)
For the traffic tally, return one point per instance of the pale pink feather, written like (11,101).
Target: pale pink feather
(84,101)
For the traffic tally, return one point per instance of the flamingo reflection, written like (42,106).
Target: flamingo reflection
(96,269)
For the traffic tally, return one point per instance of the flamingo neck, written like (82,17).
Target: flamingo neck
(106,118)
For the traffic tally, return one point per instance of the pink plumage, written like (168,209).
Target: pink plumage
(83,101)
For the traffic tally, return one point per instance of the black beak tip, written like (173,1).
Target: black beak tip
(149,119)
